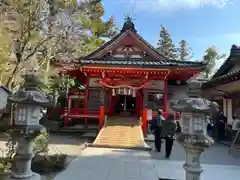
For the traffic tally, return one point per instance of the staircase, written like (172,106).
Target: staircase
(121,132)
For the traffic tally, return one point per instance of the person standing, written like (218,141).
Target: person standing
(157,129)
(221,126)
(169,128)
(209,126)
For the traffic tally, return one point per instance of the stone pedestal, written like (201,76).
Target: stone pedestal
(194,146)
(21,168)
(34,176)
(192,163)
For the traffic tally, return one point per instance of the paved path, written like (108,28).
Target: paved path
(109,164)
(216,154)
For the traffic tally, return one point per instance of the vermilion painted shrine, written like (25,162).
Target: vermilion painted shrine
(125,76)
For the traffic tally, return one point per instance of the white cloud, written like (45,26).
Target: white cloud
(171,5)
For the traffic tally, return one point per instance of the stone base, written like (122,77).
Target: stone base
(35,176)
(192,166)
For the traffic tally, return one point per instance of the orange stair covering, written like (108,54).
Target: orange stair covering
(121,132)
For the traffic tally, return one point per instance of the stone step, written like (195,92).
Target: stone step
(123,133)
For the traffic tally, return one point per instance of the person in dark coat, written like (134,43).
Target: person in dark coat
(221,126)
(157,129)
(169,128)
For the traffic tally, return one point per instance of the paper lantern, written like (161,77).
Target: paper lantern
(125,91)
(113,92)
(129,92)
(134,93)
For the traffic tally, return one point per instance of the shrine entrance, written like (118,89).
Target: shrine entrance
(126,105)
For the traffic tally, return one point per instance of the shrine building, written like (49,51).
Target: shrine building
(224,87)
(126,76)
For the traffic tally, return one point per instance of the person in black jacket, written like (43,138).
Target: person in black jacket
(169,128)
(221,126)
(157,129)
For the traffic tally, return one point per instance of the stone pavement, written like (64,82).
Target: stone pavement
(109,164)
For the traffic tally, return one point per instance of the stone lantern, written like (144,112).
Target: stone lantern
(193,137)
(29,101)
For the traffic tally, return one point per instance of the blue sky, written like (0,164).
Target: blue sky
(202,23)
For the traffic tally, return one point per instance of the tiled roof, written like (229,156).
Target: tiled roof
(228,64)
(224,79)
(141,62)
(223,76)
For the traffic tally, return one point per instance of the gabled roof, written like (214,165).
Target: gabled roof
(155,57)
(128,29)
(228,64)
(224,74)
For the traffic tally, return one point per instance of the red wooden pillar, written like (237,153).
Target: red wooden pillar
(144,121)
(144,113)
(101,117)
(86,105)
(102,110)
(165,106)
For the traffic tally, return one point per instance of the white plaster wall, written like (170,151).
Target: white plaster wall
(3,97)
(176,92)
(229,111)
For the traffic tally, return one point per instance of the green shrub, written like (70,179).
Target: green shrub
(44,164)
(41,143)
(40,146)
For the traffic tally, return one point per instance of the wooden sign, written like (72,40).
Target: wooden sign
(92,82)
(159,85)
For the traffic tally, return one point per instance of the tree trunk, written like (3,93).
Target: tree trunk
(47,72)
(10,79)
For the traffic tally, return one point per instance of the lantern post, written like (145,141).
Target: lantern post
(193,137)
(29,101)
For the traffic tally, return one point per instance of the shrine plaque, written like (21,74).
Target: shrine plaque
(92,82)
(159,85)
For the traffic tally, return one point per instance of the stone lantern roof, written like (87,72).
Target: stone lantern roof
(33,97)
(194,105)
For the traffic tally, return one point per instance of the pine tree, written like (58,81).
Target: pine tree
(184,52)
(165,44)
(210,57)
